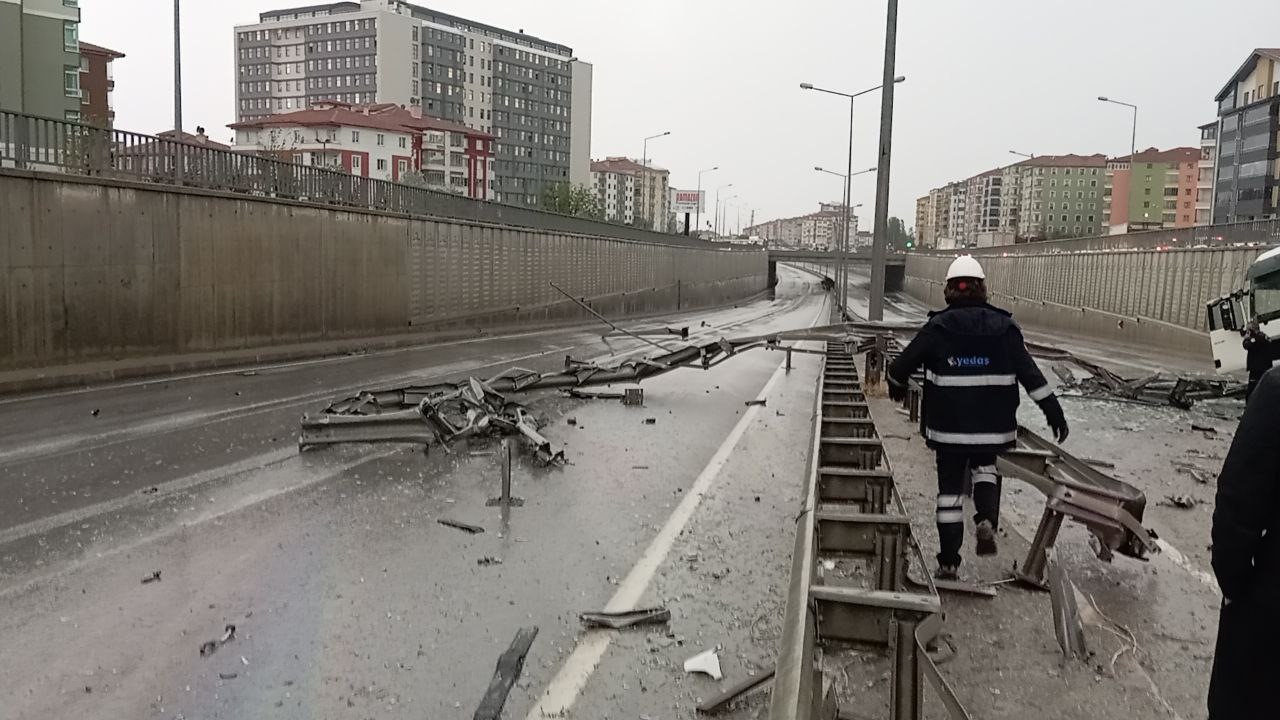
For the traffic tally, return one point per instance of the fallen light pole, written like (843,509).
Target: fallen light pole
(442,412)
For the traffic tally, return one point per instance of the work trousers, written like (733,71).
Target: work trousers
(958,474)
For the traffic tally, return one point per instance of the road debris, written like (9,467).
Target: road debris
(1182,502)
(706,662)
(153,577)
(571,421)
(721,702)
(94,412)
(505,675)
(149,491)
(758,401)
(459,525)
(1181,391)
(651,421)
(228,676)
(489,560)
(1204,429)
(1197,473)
(626,619)
(633,397)
(593,394)
(211,647)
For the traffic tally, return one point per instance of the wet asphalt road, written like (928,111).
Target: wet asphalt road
(349,599)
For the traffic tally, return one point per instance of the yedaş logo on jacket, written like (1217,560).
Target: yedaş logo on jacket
(969,361)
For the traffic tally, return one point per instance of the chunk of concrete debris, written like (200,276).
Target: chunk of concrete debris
(758,401)
(706,662)
(1184,502)
(153,577)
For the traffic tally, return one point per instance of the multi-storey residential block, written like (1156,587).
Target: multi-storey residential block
(1206,167)
(40,57)
(650,196)
(382,141)
(1157,189)
(615,187)
(1248,182)
(532,95)
(1061,196)
(97,84)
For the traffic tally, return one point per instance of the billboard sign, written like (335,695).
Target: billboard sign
(687,201)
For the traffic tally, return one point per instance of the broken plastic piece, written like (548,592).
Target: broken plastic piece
(210,647)
(706,662)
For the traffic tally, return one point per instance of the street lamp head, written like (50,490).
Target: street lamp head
(871,169)
(1104,98)
(815,167)
(806,86)
(665,134)
(900,78)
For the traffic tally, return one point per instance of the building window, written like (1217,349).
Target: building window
(70,36)
(355,136)
(381,138)
(382,163)
(1146,191)
(71,115)
(71,80)
(402,142)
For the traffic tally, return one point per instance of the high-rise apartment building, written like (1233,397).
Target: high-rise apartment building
(533,95)
(615,188)
(922,229)
(1061,196)
(40,57)
(1157,189)
(1248,181)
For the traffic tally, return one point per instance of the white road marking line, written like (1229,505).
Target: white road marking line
(577,669)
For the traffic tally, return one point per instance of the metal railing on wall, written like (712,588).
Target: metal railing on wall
(31,142)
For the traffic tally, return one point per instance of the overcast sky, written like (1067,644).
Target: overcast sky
(983,77)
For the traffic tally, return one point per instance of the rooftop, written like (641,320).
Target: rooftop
(1247,67)
(1172,155)
(622,165)
(99,50)
(377,116)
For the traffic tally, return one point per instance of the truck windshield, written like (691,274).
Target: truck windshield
(1266,296)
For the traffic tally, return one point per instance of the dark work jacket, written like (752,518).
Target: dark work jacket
(1260,353)
(1246,561)
(973,357)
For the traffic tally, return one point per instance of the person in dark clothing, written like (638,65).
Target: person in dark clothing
(1246,562)
(1260,355)
(974,357)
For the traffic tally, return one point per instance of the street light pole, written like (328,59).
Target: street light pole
(698,221)
(848,190)
(646,191)
(889,81)
(1133,151)
(177,68)
(716,228)
(879,242)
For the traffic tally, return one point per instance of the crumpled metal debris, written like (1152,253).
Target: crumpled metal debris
(1180,391)
(440,414)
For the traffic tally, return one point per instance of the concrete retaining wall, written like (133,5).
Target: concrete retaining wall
(95,270)
(1083,322)
(1171,286)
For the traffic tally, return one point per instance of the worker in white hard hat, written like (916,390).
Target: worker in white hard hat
(973,357)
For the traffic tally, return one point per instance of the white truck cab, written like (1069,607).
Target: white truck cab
(1229,315)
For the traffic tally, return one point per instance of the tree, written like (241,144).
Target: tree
(568,199)
(898,237)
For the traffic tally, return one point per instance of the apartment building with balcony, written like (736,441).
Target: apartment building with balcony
(615,188)
(923,230)
(1157,189)
(1247,182)
(40,57)
(532,95)
(1061,196)
(1205,168)
(381,141)
(97,84)
(650,190)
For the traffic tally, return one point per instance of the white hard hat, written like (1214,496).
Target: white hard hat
(965,267)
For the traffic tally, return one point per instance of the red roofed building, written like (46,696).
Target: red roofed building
(382,141)
(1157,189)
(96,84)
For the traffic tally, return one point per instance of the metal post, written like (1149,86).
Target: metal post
(875,306)
(22,59)
(177,67)
(506,473)
(907,701)
(848,192)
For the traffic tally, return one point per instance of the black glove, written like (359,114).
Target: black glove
(1056,418)
(897,393)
